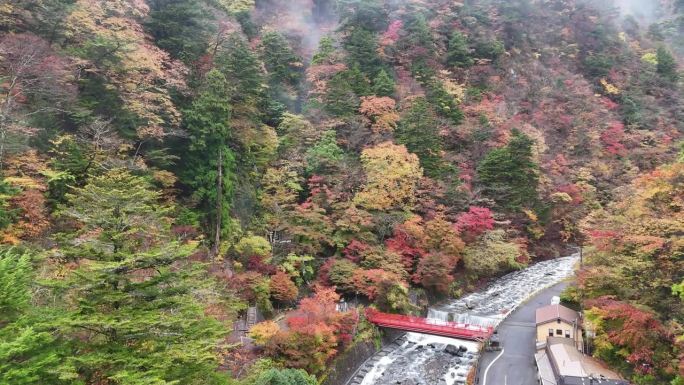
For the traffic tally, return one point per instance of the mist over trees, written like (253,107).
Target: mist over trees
(169,168)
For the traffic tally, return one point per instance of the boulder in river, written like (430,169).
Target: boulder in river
(451,349)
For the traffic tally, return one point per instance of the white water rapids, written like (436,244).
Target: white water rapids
(420,359)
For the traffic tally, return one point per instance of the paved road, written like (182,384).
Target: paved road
(517,333)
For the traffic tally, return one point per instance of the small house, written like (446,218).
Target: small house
(557,321)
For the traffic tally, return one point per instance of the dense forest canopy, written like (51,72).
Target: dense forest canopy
(167,164)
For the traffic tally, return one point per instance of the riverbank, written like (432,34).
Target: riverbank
(420,360)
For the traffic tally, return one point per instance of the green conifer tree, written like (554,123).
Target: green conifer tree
(358,81)
(280,60)
(181,27)
(667,65)
(419,131)
(509,176)
(459,52)
(29,354)
(210,160)
(340,98)
(383,84)
(241,67)
(362,51)
(136,319)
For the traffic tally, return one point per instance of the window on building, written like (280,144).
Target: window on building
(567,334)
(559,332)
(550,332)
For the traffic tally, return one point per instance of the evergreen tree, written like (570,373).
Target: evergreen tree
(119,208)
(210,160)
(15,278)
(509,175)
(667,65)
(419,131)
(325,50)
(181,27)
(340,98)
(362,51)
(241,67)
(358,81)
(7,214)
(324,155)
(136,320)
(443,101)
(370,15)
(280,60)
(459,52)
(285,377)
(28,354)
(383,84)
(418,34)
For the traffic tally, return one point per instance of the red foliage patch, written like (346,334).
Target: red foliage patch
(612,138)
(355,250)
(475,222)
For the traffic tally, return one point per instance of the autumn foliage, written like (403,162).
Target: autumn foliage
(316,331)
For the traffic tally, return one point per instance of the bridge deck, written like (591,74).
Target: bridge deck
(423,325)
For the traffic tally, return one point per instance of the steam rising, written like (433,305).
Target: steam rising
(306,20)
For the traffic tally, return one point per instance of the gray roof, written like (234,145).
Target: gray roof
(554,312)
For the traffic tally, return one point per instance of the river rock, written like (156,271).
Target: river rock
(451,349)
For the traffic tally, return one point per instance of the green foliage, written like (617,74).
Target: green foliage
(489,49)
(393,297)
(418,34)
(237,62)
(362,51)
(253,245)
(181,27)
(341,274)
(667,65)
(598,65)
(119,208)
(419,131)
(324,155)
(370,15)
(285,377)
(15,279)
(444,102)
(383,84)
(509,175)
(294,134)
(210,162)
(300,267)
(678,290)
(28,355)
(326,48)
(491,256)
(7,214)
(458,54)
(357,80)
(133,330)
(340,98)
(281,62)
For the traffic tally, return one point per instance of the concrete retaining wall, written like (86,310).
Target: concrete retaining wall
(346,366)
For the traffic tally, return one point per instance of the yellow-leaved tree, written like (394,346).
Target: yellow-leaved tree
(392,175)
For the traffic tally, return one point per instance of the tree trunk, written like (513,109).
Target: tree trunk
(219,204)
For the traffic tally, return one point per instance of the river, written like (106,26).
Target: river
(420,359)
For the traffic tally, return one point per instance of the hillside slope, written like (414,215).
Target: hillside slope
(166,164)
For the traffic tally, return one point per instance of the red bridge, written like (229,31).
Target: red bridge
(425,326)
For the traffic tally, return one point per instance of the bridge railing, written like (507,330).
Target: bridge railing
(419,324)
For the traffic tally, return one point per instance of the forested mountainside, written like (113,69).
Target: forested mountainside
(166,164)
